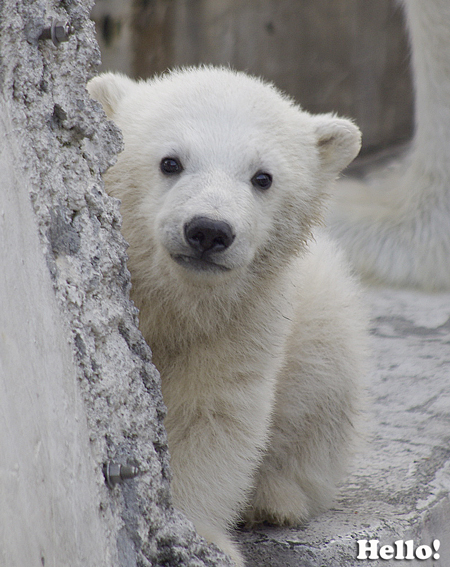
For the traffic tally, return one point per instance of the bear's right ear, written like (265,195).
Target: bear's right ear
(338,141)
(109,89)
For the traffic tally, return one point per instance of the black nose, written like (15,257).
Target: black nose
(208,235)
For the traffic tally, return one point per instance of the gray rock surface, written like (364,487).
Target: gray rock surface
(55,143)
(348,56)
(399,486)
(44,443)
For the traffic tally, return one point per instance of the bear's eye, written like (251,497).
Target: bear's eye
(262,180)
(170,166)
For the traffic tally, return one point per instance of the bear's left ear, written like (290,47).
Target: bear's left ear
(338,141)
(109,89)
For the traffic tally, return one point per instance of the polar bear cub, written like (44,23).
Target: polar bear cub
(251,314)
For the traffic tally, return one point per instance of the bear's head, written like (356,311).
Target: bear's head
(221,173)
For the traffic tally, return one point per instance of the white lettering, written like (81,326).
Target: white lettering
(423,552)
(368,549)
(387,552)
(409,549)
(363,549)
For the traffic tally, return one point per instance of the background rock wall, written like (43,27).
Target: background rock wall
(77,385)
(349,56)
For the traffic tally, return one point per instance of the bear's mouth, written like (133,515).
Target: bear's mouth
(198,264)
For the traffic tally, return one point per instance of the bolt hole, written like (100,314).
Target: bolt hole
(110,28)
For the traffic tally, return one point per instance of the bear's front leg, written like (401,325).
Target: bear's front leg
(216,442)
(319,395)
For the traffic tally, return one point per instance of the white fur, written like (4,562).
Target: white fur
(260,359)
(395,225)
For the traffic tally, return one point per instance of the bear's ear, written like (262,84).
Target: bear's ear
(338,141)
(109,89)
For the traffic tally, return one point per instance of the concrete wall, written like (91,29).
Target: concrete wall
(349,56)
(48,498)
(77,387)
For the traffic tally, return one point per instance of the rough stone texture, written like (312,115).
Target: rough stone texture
(44,443)
(61,143)
(349,56)
(399,488)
